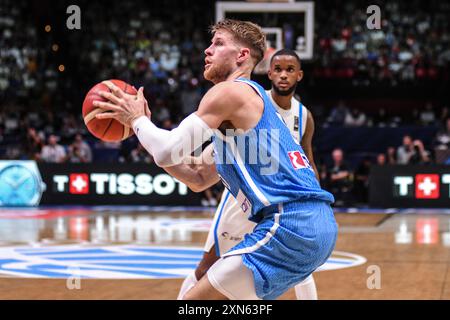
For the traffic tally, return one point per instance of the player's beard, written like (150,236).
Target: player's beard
(285,92)
(217,73)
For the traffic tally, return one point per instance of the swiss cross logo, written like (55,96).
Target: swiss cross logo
(427,186)
(298,160)
(79,183)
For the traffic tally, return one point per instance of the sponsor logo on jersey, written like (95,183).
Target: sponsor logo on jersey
(245,204)
(298,160)
(227,236)
(296,123)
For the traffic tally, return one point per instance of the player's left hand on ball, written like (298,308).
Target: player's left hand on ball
(121,106)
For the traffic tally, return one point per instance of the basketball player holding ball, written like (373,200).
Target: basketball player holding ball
(230,223)
(295,229)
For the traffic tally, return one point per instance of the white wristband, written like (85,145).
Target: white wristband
(169,148)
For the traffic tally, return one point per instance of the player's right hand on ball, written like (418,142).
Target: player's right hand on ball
(124,108)
(148,113)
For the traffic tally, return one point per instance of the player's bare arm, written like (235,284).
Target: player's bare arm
(198,173)
(231,105)
(306,142)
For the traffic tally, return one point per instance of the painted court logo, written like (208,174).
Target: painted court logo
(119,262)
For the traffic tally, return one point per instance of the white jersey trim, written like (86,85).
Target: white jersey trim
(295,107)
(263,241)
(304,118)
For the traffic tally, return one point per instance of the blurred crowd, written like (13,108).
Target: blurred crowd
(426,115)
(347,181)
(412,44)
(350,184)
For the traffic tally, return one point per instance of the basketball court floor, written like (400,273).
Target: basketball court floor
(144,253)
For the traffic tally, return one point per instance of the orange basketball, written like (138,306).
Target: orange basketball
(109,130)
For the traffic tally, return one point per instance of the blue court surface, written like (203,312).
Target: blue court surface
(119,262)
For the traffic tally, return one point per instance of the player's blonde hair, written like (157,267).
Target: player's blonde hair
(247,33)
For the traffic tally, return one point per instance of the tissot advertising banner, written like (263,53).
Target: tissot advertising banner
(125,184)
(410,186)
(25,183)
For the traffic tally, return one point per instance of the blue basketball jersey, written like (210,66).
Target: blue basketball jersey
(265,166)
